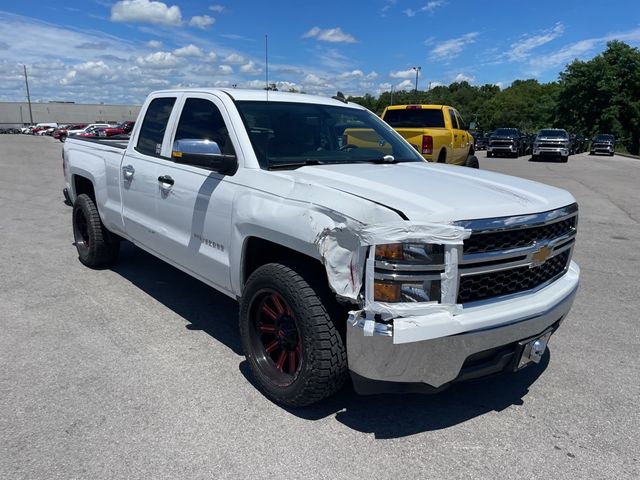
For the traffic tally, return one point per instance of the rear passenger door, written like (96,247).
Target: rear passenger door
(194,203)
(138,173)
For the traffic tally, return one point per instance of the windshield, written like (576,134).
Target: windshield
(415,118)
(553,133)
(293,134)
(603,138)
(505,131)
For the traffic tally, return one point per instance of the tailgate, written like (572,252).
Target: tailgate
(414,135)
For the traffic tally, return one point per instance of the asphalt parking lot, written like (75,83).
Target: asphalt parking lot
(136,371)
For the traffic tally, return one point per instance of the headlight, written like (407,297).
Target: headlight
(408,272)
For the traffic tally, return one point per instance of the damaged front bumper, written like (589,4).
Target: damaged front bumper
(377,353)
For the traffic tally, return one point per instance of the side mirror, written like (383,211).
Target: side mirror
(205,154)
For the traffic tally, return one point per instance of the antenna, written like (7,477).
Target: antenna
(266,63)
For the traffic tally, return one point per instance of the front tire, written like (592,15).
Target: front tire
(294,349)
(97,247)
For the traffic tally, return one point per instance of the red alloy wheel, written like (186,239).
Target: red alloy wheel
(276,341)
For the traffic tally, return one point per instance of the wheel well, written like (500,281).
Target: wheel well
(83,185)
(442,157)
(258,252)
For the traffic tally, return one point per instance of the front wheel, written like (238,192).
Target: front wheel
(293,347)
(97,247)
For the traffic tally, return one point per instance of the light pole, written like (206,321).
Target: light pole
(417,69)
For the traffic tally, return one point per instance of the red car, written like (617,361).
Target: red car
(123,129)
(61,133)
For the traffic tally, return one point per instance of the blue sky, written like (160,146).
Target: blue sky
(118,51)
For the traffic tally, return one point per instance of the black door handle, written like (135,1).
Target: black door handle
(166,179)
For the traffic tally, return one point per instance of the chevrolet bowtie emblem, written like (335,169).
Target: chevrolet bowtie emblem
(540,256)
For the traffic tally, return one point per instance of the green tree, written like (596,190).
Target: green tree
(602,95)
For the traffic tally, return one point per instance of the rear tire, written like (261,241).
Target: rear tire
(97,247)
(295,351)
(472,162)
(489,154)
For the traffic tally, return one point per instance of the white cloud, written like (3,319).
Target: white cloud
(351,75)
(409,73)
(155,44)
(461,77)
(409,12)
(235,59)
(312,79)
(86,71)
(201,21)
(188,51)
(564,55)
(250,68)
(390,4)
(453,47)
(372,75)
(430,7)
(225,70)
(333,35)
(146,11)
(212,57)
(522,48)
(159,60)
(217,8)
(405,85)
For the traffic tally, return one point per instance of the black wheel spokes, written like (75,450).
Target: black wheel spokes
(278,336)
(83,228)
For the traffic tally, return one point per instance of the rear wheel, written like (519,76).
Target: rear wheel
(489,154)
(97,247)
(472,162)
(294,350)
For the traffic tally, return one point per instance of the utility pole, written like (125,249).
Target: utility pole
(26,82)
(417,69)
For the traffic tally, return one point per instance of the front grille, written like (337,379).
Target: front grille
(501,143)
(491,242)
(502,256)
(551,145)
(487,285)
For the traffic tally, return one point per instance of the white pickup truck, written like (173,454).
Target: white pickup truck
(368,262)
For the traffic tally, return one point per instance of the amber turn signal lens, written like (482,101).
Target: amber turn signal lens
(386,292)
(389,251)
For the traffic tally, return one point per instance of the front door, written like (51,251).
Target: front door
(194,204)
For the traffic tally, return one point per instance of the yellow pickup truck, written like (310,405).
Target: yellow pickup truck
(436,131)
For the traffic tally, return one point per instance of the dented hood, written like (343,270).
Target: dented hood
(437,193)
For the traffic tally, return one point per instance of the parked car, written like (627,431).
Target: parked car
(551,143)
(506,141)
(482,141)
(123,129)
(436,131)
(603,143)
(257,198)
(61,133)
(73,131)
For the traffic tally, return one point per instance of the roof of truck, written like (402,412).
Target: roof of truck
(257,95)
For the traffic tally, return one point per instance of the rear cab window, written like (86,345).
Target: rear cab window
(154,126)
(415,118)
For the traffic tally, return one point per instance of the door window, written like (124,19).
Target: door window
(461,123)
(202,120)
(452,116)
(154,126)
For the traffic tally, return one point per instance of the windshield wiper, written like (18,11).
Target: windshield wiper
(277,166)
